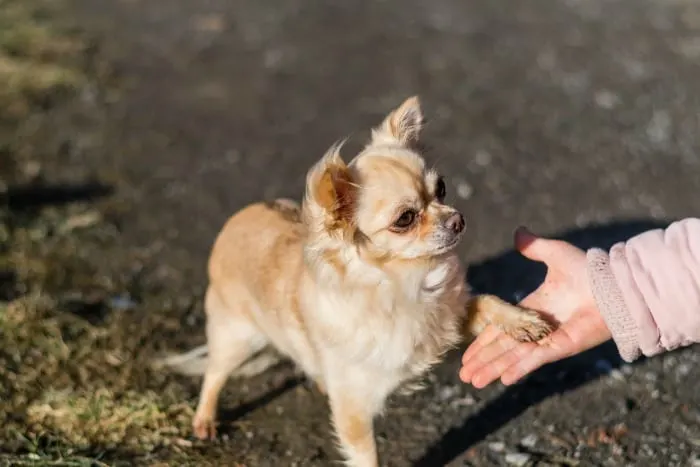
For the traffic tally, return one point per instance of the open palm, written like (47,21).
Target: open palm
(565,296)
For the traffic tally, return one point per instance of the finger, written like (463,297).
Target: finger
(535,248)
(539,356)
(500,365)
(524,240)
(486,355)
(485,337)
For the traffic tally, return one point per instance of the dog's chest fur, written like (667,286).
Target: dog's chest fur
(397,328)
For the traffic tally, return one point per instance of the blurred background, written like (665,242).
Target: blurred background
(131,129)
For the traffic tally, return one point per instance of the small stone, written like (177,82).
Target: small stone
(448,392)
(519,459)
(32,169)
(606,99)
(497,446)
(209,23)
(121,303)
(482,158)
(689,48)
(249,434)
(529,441)
(273,57)
(190,320)
(635,69)
(467,400)
(80,221)
(683,369)
(575,82)
(617,374)
(659,127)
(185,443)
(547,59)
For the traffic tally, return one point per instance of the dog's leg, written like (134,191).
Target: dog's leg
(256,365)
(353,422)
(520,323)
(231,340)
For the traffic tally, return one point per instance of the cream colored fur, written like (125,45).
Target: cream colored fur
(360,302)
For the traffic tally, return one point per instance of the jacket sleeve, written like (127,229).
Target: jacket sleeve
(648,289)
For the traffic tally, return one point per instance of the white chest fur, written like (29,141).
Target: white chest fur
(398,327)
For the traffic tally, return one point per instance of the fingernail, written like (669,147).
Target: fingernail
(523,230)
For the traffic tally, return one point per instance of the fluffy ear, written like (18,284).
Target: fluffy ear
(403,124)
(330,191)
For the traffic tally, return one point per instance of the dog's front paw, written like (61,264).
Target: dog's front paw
(529,326)
(204,427)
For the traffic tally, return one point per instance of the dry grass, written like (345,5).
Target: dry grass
(36,62)
(74,378)
(130,420)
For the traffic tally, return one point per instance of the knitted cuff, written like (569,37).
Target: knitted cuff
(611,305)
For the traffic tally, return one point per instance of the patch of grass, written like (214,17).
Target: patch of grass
(131,420)
(78,310)
(37,61)
(73,383)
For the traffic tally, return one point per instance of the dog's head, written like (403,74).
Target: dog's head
(385,205)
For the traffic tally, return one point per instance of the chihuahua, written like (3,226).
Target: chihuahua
(360,286)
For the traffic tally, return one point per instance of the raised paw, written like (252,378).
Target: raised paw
(204,427)
(528,326)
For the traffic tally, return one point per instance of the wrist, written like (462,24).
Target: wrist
(611,305)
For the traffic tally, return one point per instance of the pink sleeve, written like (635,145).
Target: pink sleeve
(648,289)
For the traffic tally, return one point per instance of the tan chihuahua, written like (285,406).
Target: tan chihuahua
(360,286)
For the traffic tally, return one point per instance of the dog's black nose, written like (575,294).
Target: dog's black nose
(455,223)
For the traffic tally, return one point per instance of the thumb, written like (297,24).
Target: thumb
(533,247)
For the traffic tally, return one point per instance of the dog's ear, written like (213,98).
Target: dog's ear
(330,191)
(403,124)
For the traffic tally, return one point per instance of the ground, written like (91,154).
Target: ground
(130,130)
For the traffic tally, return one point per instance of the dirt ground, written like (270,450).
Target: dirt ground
(130,130)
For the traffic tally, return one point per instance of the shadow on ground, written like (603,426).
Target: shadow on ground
(508,275)
(38,194)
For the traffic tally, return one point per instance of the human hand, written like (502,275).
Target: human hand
(565,296)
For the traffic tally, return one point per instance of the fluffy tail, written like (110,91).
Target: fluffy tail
(191,363)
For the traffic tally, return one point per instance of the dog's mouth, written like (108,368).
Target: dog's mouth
(448,247)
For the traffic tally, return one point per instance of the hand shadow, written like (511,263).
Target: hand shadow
(512,277)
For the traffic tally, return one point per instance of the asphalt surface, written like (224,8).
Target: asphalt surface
(559,115)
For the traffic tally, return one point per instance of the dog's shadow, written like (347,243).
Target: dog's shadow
(512,277)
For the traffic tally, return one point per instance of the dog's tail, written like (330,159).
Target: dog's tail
(190,363)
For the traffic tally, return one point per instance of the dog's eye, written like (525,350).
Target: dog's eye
(405,219)
(440,190)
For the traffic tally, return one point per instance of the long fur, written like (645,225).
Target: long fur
(360,300)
